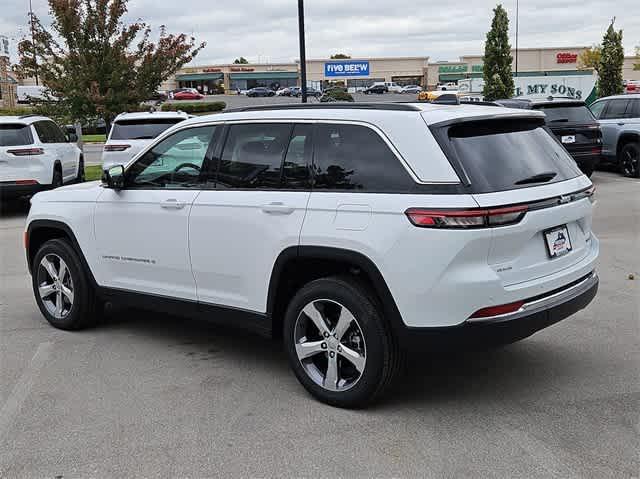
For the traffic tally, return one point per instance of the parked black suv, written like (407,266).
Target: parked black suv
(572,123)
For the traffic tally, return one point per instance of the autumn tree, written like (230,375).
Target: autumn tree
(94,64)
(590,58)
(340,56)
(498,78)
(611,61)
(240,61)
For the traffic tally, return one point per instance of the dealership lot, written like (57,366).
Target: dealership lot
(149,395)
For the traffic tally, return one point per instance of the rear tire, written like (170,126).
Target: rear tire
(57,178)
(80,178)
(366,357)
(629,160)
(61,287)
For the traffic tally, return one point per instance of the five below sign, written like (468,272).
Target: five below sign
(346,69)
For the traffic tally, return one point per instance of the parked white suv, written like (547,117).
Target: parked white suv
(355,232)
(34,155)
(132,132)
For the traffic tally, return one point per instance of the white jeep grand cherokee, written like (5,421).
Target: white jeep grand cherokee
(355,232)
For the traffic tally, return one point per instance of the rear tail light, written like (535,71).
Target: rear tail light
(116,147)
(26,151)
(591,194)
(466,218)
(25,182)
(596,150)
(498,310)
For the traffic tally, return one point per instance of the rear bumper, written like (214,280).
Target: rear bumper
(586,160)
(537,313)
(10,190)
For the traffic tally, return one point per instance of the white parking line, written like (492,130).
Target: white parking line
(23,387)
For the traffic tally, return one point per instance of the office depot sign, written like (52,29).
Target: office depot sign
(564,57)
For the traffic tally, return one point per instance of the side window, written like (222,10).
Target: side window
(56,133)
(353,157)
(44,133)
(635,109)
(297,162)
(616,109)
(253,156)
(598,108)
(178,161)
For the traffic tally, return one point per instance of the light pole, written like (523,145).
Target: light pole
(517,12)
(303,55)
(33,44)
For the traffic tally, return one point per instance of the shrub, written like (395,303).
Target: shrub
(339,95)
(204,107)
(16,111)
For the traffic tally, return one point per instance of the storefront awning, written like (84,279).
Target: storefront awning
(263,75)
(199,76)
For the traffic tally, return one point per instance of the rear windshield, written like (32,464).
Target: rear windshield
(498,155)
(567,114)
(15,135)
(141,129)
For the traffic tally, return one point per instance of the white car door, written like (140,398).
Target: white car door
(238,229)
(611,120)
(67,152)
(141,230)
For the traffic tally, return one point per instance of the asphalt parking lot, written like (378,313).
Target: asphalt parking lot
(156,396)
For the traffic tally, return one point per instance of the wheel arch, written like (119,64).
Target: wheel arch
(627,137)
(297,265)
(40,231)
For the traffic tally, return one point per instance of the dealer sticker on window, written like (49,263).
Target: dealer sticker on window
(558,241)
(569,139)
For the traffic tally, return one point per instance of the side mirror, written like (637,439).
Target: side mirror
(113,177)
(72,138)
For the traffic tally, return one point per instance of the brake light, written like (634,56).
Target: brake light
(466,218)
(591,194)
(116,147)
(497,310)
(26,151)
(25,239)
(596,150)
(25,182)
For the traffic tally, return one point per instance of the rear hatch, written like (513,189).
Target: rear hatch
(575,127)
(15,152)
(517,163)
(129,137)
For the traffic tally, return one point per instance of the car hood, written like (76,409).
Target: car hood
(79,192)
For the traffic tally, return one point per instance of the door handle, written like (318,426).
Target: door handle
(277,208)
(620,124)
(172,204)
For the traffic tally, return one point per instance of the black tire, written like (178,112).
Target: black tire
(382,355)
(57,177)
(629,160)
(80,178)
(85,310)
(587,170)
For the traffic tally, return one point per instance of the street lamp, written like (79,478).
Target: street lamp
(303,56)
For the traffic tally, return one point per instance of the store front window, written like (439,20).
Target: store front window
(407,80)
(273,83)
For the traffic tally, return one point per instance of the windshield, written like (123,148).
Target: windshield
(499,155)
(141,129)
(567,114)
(15,135)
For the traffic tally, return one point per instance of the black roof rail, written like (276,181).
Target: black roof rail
(22,117)
(328,106)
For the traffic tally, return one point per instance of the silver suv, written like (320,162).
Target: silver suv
(619,118)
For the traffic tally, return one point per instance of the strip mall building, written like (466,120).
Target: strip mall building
(362,72)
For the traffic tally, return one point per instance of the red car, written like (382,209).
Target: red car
(190,94)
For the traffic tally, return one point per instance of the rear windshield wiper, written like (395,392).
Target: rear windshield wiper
(559,120)
(539,178)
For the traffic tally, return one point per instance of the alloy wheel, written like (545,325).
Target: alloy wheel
(55,286)
(630,161)
(330,345)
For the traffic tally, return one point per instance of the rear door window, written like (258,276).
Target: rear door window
(567,114)
(597,108)
(617,109)
(15,135)
(141,129)
(498,155)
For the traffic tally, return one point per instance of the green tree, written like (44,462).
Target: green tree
(96,66)
(590,58)
(611,60)
(340,56)
(240,61)
(498,79)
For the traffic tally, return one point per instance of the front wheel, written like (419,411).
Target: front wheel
(61,287)
(629,159)
(338,344)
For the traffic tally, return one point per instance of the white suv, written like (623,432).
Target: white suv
(34,155)
(132,132)
(355,232)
